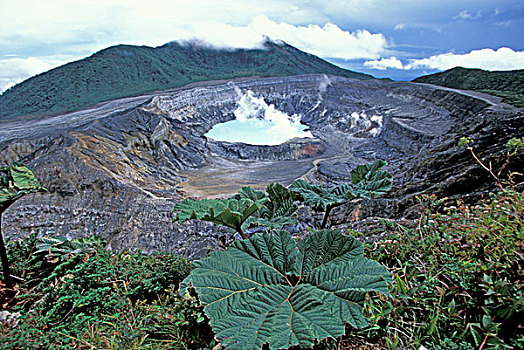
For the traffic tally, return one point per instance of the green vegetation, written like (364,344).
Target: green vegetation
(506,84)
(125,70)
(16,180)
(458,283)
(458,276)
(247,209)
(513,146)
(279,208)
(231,213)
(367,181)
(92,298)
(269,289)
(251,208)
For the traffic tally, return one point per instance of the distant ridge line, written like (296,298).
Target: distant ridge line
(124,71)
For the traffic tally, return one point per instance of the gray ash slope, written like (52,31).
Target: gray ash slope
(117,169)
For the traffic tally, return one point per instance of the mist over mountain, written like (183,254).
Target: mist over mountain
(506,84)
(124,70)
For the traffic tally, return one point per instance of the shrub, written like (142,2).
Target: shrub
(458,277)
(113,300)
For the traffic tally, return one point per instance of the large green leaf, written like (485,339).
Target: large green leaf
(16,181)
(278,211)
(281,202)
(279,208)
(249,193)
(317,197)
(370,180)
(367,181)
(228,212)
(269,290)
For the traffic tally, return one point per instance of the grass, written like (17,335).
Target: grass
(458,277)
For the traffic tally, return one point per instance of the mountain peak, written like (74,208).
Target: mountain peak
(126,70)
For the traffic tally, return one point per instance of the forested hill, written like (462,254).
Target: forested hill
(124,70)
(506,84)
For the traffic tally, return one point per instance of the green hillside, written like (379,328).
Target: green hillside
(124,70)
(507,84)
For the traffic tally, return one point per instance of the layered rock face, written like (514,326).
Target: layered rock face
(117,169)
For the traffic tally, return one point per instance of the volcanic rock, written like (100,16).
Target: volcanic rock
(117,169)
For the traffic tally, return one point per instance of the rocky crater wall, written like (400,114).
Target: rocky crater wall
(117,168)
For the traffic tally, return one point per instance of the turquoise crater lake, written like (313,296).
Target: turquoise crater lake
(258,123)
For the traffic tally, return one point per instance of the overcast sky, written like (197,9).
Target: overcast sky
(400,39)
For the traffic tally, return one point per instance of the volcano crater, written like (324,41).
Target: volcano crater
(116,169)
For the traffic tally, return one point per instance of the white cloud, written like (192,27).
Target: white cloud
(327,41)
(465,15)
(400,26)
(436,27)
(96,24)
(15,70)
(502,59)
(385,63)
(504,23)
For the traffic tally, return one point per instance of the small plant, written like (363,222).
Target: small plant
(253,208)
(16,180)
(367,181)
(513,146)
(60,248)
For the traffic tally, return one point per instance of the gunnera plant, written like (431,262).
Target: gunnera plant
(269,290)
